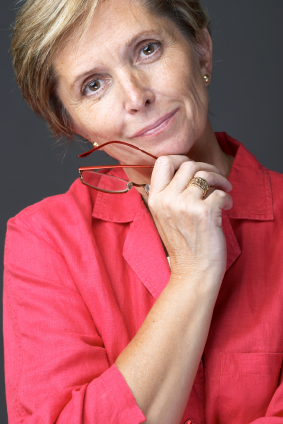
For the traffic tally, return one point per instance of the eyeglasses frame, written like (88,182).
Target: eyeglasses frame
(130,184)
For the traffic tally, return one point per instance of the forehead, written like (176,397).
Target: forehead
(112,14)
(113,27)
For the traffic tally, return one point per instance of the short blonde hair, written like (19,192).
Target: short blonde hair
(41,28)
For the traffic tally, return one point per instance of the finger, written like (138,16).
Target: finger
(164,170)
(187,171)
(219,200)
(215,180)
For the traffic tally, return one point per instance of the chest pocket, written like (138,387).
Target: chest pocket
(247,383)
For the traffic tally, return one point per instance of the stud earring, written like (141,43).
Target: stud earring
(95,144)
(206,78)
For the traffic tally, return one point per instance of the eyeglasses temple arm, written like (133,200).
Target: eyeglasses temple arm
(85,154)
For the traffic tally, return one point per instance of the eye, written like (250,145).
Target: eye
(149,49)
(94,86)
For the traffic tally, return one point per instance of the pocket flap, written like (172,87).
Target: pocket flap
(250,363)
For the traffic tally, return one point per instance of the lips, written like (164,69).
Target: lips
(156,124)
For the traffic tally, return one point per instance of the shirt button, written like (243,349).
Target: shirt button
(190,421)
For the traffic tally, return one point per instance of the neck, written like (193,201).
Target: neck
(206,149)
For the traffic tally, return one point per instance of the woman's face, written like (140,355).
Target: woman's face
(133,77)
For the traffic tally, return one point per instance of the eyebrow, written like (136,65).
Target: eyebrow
(125,47)
(139,35)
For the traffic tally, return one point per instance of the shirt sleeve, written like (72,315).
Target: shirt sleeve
(56,366)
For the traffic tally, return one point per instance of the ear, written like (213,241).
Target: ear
(204,52)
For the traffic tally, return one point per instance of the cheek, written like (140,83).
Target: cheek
(182,82)
(170,80)
(196,98)
(100,123)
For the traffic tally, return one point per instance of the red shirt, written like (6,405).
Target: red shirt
(82,271)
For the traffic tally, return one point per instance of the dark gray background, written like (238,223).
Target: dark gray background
(246,97)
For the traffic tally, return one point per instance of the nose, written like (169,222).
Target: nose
(136,92)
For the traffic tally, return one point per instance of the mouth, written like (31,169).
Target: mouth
(157,127)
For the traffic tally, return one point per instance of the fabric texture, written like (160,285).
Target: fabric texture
(82,271)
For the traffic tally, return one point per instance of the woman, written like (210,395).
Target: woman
(97,328)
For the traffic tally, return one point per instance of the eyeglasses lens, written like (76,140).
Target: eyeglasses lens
(102,179)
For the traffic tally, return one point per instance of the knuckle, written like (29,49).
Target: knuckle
(203,215)
(151,202)
(203,174)
(164,164)
(220,194)
(187,164)
(199,212)
(183,209)
(166,203)
(194,168)
(163,161)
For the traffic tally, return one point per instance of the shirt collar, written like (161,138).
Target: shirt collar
(119,208)
(252,196)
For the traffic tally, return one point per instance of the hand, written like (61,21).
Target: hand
(189,225)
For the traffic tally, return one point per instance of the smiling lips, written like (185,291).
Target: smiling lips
(157,127)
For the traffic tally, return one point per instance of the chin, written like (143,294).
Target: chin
(176,147)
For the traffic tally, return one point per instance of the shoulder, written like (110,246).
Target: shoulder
(56,214)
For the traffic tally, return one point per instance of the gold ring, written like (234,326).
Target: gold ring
(201,183)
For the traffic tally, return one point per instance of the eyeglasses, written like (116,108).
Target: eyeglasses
(103,179)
